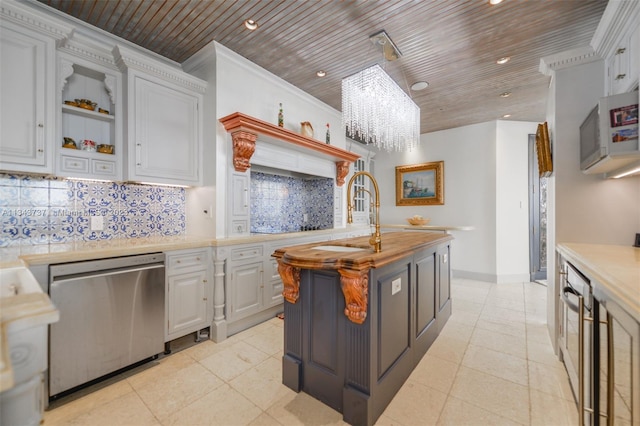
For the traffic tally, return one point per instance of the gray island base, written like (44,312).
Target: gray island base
(357,324)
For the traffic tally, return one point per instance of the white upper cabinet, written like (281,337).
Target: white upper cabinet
(164,122)
(164,139)
(27,67)
(617,40)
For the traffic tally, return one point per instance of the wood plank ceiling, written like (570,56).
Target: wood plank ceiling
(452,44)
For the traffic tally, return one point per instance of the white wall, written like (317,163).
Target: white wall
(589,209)
(485,179)
(512,200)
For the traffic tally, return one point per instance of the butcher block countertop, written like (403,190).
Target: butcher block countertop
(337,255)
(614,271)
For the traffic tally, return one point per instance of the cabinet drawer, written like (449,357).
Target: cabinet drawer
(74,164)
(188,261)
(246,253)
(101,167)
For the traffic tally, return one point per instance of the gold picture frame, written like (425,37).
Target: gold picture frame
(420,184)
(543,150)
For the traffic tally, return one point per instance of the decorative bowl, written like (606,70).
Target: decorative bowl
(71,103)
(86,104)
(418,221)
(69,143)
(105,148)
(103,111)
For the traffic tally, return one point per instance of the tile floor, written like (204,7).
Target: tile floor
(491,365)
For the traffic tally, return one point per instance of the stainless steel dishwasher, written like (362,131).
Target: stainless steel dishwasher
(111,316)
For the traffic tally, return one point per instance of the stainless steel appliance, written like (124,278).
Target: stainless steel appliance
(111,316)
(577,338)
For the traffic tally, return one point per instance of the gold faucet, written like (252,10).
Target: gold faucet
(376,239)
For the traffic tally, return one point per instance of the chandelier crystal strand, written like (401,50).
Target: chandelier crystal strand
(377,111)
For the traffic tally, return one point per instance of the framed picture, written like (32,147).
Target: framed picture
(624,116)
(420,184)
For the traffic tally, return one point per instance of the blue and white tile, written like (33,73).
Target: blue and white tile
(61,197)
(8,179)
(34,181)
(34,196)
(11,227)
(9,195)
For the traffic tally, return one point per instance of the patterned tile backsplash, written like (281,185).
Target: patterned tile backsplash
(40,210)
(280,203)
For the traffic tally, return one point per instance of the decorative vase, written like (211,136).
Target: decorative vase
(280,117)
(306,129)
(328,137)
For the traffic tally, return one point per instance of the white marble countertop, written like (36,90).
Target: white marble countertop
(87,250)
(613,271)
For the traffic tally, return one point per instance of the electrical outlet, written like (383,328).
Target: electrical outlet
(396,286)
(97,223)
(305,217)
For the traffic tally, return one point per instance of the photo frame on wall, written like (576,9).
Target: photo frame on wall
(543,150)
(420,184)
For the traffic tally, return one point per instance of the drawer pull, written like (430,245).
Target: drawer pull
(198,259)
(177,261)
(204,281)
(620,76)
(621,50)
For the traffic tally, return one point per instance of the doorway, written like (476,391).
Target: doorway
(537,217)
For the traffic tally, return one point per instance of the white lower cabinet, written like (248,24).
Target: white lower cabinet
(188,297)
(246,273)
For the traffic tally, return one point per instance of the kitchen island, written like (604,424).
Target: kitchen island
(357,322)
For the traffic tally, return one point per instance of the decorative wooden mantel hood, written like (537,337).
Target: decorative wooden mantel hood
(245,130)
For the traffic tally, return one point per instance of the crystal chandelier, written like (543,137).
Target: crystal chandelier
(375,110)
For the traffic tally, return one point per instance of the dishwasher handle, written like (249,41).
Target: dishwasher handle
(565,298)
(104,273)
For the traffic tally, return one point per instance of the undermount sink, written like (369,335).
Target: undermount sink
(339,248)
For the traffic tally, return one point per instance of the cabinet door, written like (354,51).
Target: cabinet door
(166,141)
(187,303)
(246,290)
(273,286)
(26,119)
(239,203)
(620,379)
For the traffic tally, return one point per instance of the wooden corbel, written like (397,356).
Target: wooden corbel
(342,170)
(355,288)
(244,144)
(291,279)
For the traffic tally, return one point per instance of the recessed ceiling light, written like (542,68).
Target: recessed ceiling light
(505,94)
(494,2)
(506,116)
(321,73)
(503,60)
(251,24)
(419,85)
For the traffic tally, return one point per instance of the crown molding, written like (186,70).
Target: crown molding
(19,14)
(82,47)
(126,58)
(567,59)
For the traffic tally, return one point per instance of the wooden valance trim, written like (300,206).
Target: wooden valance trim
(238,122)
